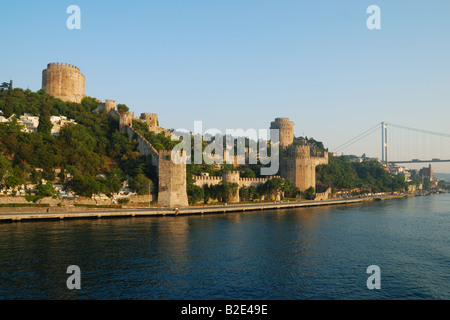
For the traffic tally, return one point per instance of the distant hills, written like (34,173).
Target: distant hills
(445,176)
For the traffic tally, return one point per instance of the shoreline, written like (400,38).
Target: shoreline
(60,213)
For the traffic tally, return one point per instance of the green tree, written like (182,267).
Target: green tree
(426,184)
(45,125)
(7,107)
(89,103)
(122,108)
(5,169)
(46,190)
(85,185)
(195,194)
(114,180)
(140,184)
(310,193)
(249,173)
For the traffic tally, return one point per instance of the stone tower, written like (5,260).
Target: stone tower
(151,119)
(171,181)
(110,105)
(299,167)
(286,130)
(63,81)
(125,120)
(232,177)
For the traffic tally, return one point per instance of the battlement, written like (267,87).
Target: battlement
(299,151)
(233,172)
(208,178)
(262,180)
(148,115)
(170,153)
(54,65)
(150,118)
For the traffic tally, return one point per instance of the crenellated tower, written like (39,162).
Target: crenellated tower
(232,177)
(110,105)
(286,130)
(299,167)
(125,120)
(63,81)
(151,119)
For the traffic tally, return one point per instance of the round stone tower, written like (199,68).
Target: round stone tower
(63,81)
(232,177)
(286,130)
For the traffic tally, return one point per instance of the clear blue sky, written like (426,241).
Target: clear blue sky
(241,63)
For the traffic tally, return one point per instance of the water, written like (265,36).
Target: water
(305,253)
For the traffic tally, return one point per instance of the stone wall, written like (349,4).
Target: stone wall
(133,200)
(11,200)
(214,180)
(324,195)
(145,148)
(207,180)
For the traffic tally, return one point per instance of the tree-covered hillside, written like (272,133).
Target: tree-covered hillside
(90,156)
(370,176)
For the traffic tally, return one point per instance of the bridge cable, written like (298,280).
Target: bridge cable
(357,138)
(420,130)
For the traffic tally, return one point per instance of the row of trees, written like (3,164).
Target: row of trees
(222,191)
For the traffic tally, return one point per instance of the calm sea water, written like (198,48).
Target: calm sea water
(308,253)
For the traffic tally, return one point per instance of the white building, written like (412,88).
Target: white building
(31,123)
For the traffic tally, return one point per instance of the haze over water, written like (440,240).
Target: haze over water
(305,253)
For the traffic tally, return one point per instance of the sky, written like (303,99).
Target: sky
(242,63)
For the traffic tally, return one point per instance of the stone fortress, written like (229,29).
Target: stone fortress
(66,82)
(298,166)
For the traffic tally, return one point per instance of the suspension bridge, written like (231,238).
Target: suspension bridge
(401,144)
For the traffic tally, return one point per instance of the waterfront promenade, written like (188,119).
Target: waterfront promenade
(54,213)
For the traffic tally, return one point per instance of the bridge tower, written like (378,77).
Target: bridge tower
(384,144)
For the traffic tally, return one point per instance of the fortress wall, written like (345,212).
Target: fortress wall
(248,182)
(214,180)
(171,176)
(144,147)
(211,181)
(321,160)
(323,195)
